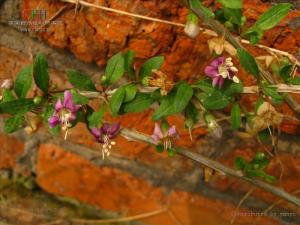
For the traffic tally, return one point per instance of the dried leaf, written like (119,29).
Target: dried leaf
(218,45)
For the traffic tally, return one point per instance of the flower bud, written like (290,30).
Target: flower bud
(145,81)
(37,100)
(191,29)
(214,128)
(7,84)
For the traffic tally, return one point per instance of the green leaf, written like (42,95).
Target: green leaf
(17,106)
(234,16)
(285,72)
(240,163)
(149,65)
(23,81)
(80,81)
(294,81)
(233,89)
(258,103)
(14,123)
(183,96)
(40,72)
(115,69)
(166,107)
(128,64)
(255,173)
(233,4)
(216,100)
(235,116)
(204,85)
(141,102)
(206,11)
(270,179)
(272,92)
(248,62)
(159,148)
(130,92)
(273,16)
(116,101)
(79,99)
(264,135)
(191,115)
(95,119)
(254,34)
(7,96)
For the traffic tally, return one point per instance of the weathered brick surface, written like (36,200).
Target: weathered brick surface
(111,189)
(10,149)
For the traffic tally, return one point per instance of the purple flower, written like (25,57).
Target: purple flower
(220,69)
(64,112)
(107,131)
(166,138)
(104,134)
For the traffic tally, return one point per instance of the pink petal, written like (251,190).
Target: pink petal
(68,100)
(58,105)
(155,138)
(215,81)
(217,61)
(221,82)
(53,121)
(96,132)
(113,130)
(211,71)
(172,132)
(157,131)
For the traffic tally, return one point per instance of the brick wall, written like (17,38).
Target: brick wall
(136,179)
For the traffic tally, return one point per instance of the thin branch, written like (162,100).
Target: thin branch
(241,202)
(272,206)
(203,30)
(123,219)
(137,136)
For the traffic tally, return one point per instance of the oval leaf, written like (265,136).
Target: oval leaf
(116,101)
(149,65)
(80,81)
(232,4)
(235,116)
(17,106)
(130,92)
(23,82)
(248,62)
(183,96)
(273,16)
(40,72)
(128,64)
(13,124)
(115,69)
(141,102)
(95,119)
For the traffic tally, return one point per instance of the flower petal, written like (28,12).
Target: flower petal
(68,101)
(221,82)
(211,71)
(53,121)
(58,105)
(96,132)
(105,128)
(113,130)
(218,61)
(157,131)
(216,81)
(172,132)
